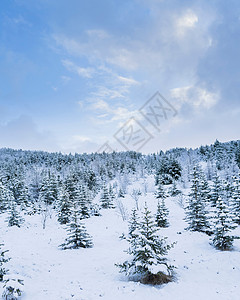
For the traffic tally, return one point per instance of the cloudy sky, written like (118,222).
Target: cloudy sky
(74,72)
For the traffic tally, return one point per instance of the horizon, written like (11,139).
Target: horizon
(142,153)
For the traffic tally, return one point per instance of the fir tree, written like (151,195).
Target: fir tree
(160,193)
(14,218)
(222,238)
(49,189)
(83,202)
(236,199)
(64,211)
(6,197)
(106,200)
(147,249)
(162,214)
(3,261)
(112,194)
(77,234)
(196,213)
(174,191)
(216,190)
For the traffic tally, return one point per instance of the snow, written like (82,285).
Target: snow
(50,273)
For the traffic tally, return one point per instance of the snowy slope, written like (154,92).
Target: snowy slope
(50,273)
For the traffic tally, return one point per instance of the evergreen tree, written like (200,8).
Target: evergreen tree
(222,238)
(147,249)
(3,261)
(49,189)
(64,211)
(133,225)
(216,190)
(162,214)
(174,191)
(112,194)
(106,200)
(77,234)
(160,193)
(6,198)
(236,199)
(14,218)
(83,202)
(196,213)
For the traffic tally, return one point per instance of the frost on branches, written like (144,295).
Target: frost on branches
(147,250)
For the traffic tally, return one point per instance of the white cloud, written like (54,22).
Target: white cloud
(72,67)
(187,21)
(195,96)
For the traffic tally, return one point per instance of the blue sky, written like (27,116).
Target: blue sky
(73,72)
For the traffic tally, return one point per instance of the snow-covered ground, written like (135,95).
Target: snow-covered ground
(50,273)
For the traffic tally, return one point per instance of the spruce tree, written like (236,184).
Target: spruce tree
(236,199)
(147,248)
(106,200)
(3,261)
(6,197)
(77,234)
(83,202)
(160,193)
(223,225)
(14,218)
(112,195)
(196,213)
(64,211)
(162,214)
(49,189)
(216,190)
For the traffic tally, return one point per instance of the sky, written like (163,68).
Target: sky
(85,76)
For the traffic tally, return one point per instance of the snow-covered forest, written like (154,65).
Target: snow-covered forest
(121,225)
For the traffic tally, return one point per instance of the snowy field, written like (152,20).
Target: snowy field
(50,273)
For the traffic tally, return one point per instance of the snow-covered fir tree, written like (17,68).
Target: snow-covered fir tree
(236,198)
(160,192)
(83,202)
(14,218)
(3,261)
(49,189)
(223,225)
(6,197)
(147,249)
(112,194)
(64,209)
(196,213)
(106,199)
(162,214)
(77,233)
(216,189)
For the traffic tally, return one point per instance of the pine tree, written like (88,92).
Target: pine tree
(236,199)
(83,202)
(174,191)
(216,190)
(6,197)
(3,261)
(222,237)
(49,189)
(160,193)
(106,200)
(196,213)
(112,195)
(147,249)
(64,211)
(14,218)
(162,214)
(77,234)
